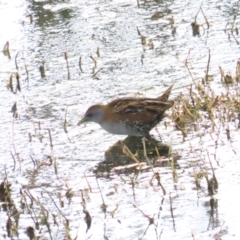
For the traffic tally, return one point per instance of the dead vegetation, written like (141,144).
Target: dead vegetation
(199,110)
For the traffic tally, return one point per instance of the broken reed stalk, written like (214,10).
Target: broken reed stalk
(238,70)
(210,183)
(11,83)
(36,169)
(65,121)
(126,151)
(14,161)
(197,177)
(145,153)
(171,210)
(9,227)
(18,87)
(16,64)
(55,165)
(59,211)
(98,52)
(13,145)
(66,58)
(80,64)
(33,161)
(42,69)
(212,205)
(50,138)
(205,18)
(213,181)
(150,220)
(143,40)
(52,158)
(26,71)
(133,187)
(89,186)
(83,199)
(157,176)
(228,134)
(144,232)
(174,172)
(234,20)
(186,65)
(14,110)
(198,12)
(45,218)
(103,206)
(87,218)
(225,29)
(235,39)
(61,202)
(209,57)
(30,18)
(151,44)
(158,154)
(114,210)
(43,211)
(138,31)
(94,75)
(94,61)
(29,207)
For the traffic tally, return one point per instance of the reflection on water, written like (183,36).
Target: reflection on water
(45,16)
(130,151)
(124,51)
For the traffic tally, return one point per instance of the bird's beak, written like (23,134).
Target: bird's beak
(83,120)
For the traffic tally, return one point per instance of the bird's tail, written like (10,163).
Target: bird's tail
(164,97)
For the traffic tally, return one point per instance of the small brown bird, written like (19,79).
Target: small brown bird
(130,116)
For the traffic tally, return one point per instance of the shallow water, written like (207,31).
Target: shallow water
(127,69)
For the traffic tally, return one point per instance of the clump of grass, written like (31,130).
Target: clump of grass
(195,26)
(5,192)
(202,106)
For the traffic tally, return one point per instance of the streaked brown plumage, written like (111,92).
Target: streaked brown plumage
(130,116)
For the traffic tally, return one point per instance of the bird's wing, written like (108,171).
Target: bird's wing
(139,106)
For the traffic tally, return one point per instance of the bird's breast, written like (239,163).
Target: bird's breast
(120,129)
